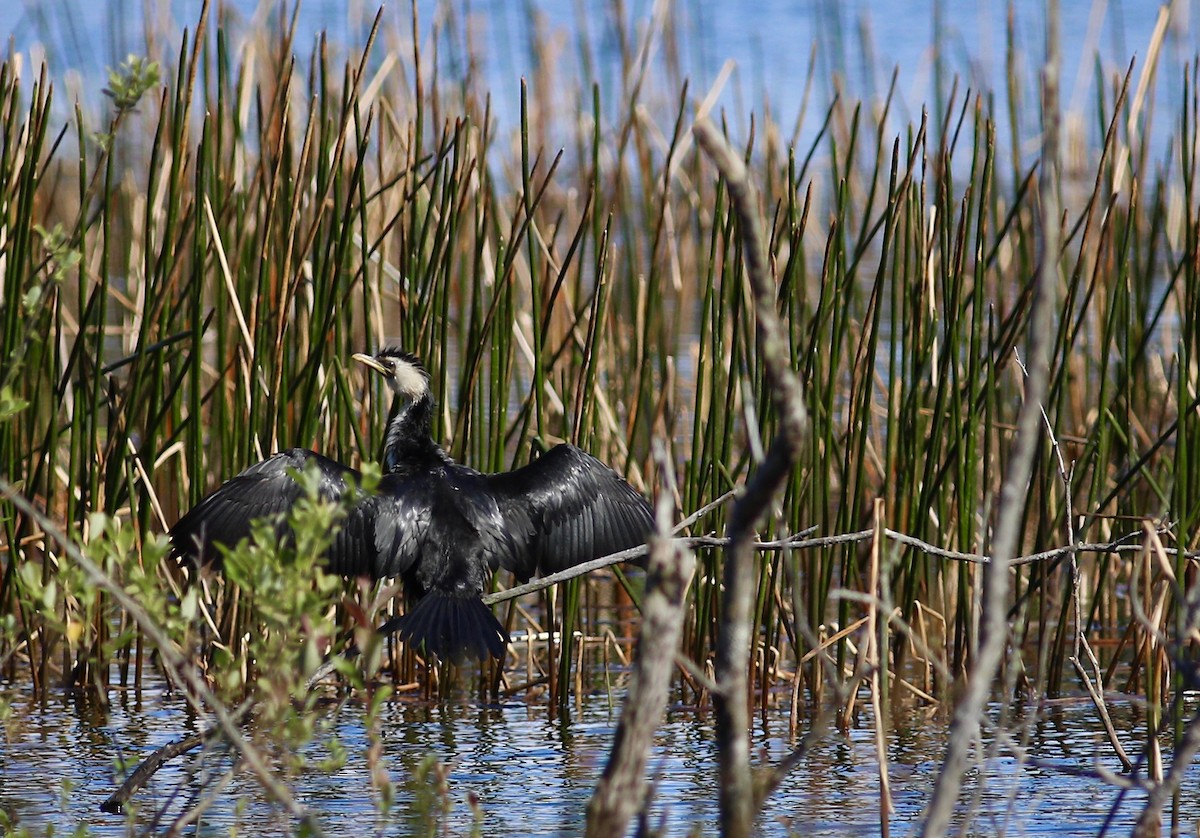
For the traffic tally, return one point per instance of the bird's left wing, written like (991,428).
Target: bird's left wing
(268,490)
(566,508)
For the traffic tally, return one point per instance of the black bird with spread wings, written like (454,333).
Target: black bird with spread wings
(441,527)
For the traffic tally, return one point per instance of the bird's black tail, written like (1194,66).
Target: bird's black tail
(454,628)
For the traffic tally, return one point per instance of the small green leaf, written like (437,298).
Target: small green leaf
(189,606)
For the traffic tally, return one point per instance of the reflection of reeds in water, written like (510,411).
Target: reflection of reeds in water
(183,283)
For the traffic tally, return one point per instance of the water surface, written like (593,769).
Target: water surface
(532,774)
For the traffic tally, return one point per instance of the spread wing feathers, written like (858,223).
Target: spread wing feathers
(400,524)
(566,508)
(268,490)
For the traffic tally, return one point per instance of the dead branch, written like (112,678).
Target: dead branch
(737,799)
(621,791)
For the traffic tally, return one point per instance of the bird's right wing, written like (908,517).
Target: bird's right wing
(566,508)
(267,490)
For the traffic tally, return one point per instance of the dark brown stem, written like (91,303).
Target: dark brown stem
(737,798)
(150,765)
(621,792)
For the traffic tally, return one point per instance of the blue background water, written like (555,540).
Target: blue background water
(770,44)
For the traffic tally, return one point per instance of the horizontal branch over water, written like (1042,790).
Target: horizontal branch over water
(802,541)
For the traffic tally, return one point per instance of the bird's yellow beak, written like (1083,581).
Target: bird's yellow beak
(370,363)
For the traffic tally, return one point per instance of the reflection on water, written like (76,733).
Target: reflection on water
(533,775)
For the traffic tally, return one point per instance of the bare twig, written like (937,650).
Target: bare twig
(803,540)
(790,543)
(1101,707)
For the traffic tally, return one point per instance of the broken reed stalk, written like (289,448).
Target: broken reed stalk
(1149,822)
(738,803)
(965,725)
(621,791)
(877,660)
(1165,786)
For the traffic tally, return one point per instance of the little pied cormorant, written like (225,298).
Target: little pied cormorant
(441,527)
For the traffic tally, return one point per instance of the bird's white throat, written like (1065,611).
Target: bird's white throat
(409,381)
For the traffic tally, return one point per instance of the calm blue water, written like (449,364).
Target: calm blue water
(533,775)
(769,42)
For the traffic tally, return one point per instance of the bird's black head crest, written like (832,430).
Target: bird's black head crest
(402,355)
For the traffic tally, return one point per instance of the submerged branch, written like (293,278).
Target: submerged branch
(148,767)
